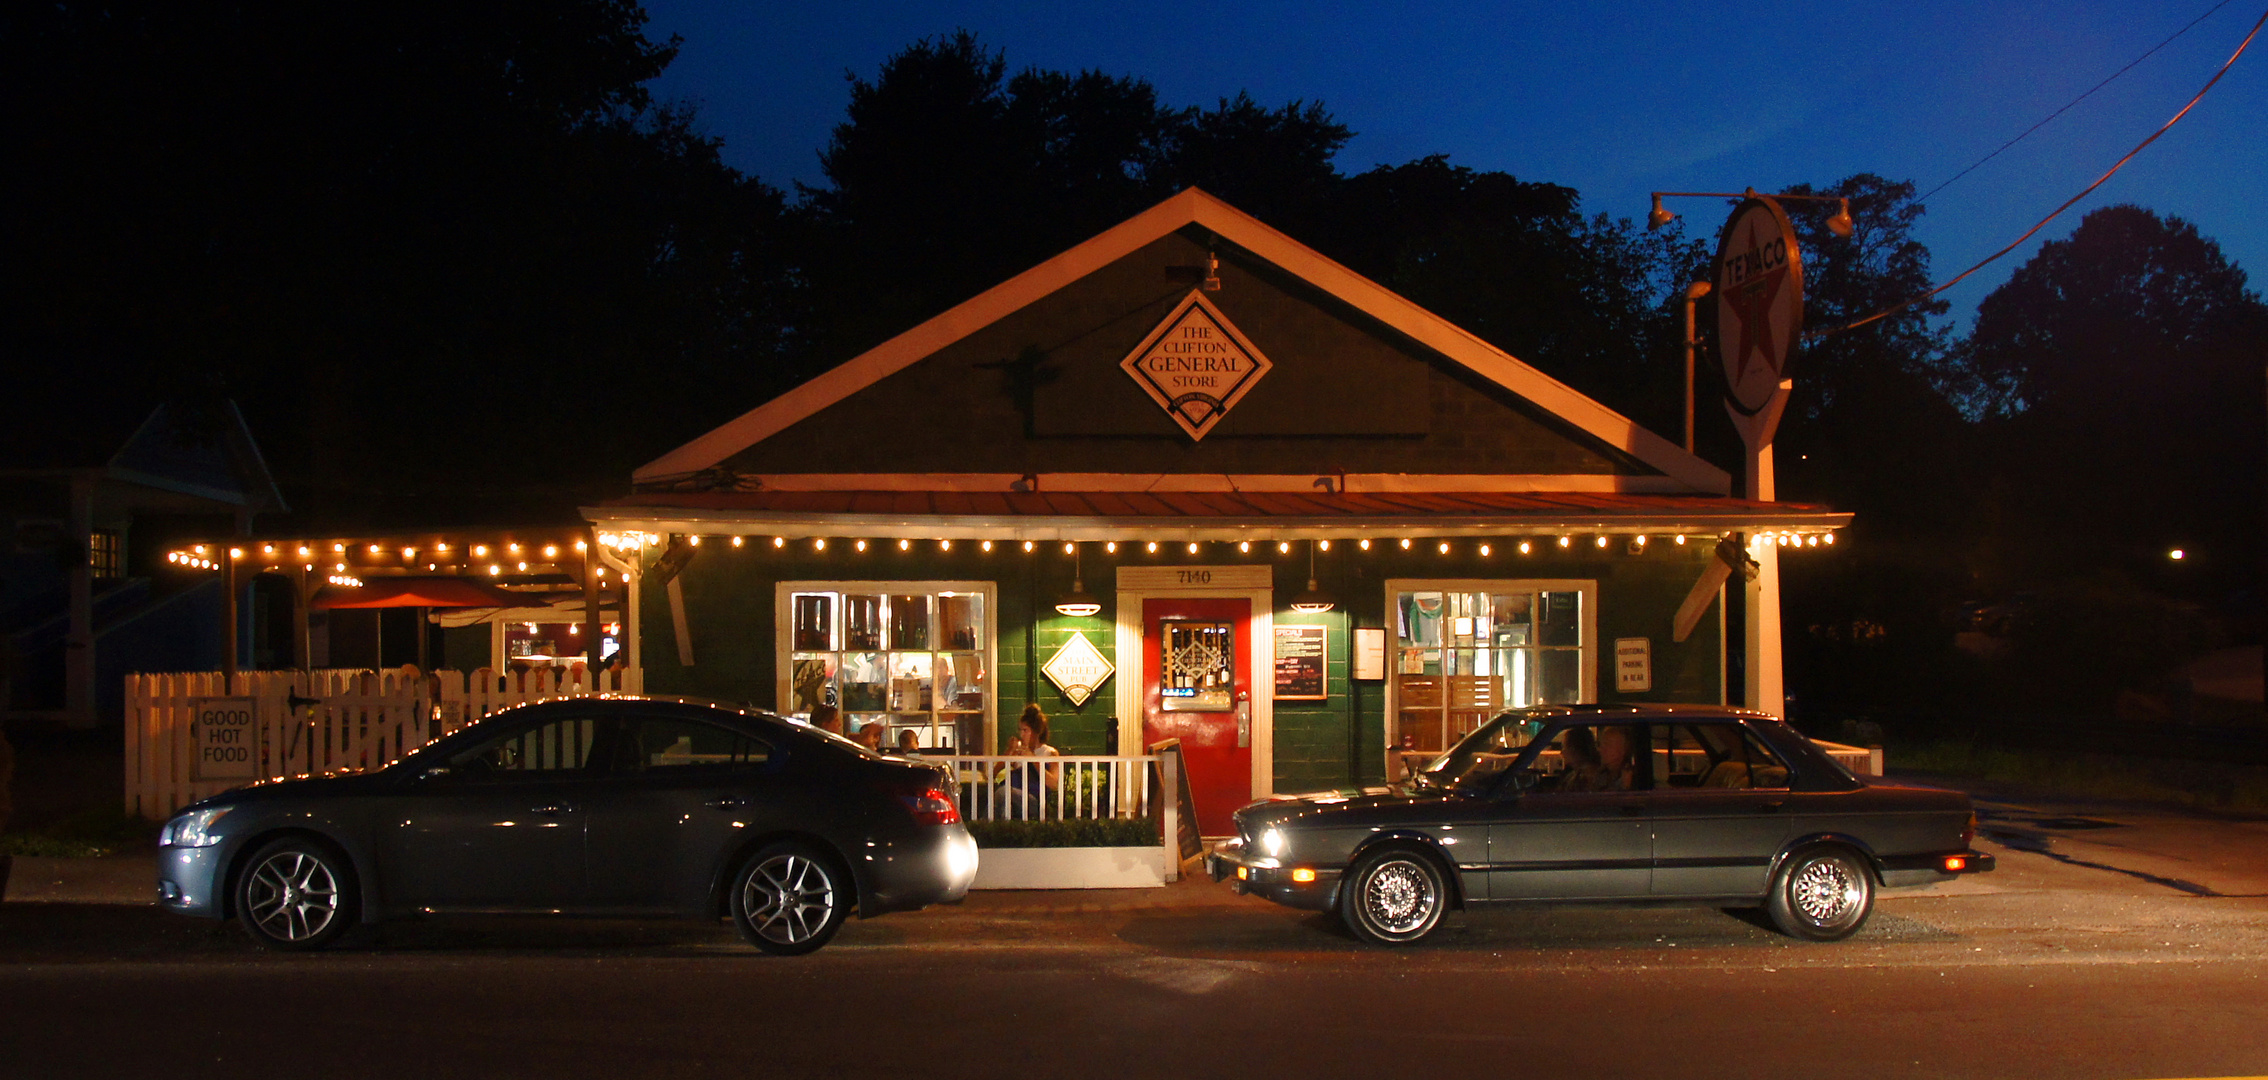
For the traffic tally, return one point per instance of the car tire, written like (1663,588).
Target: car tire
(1821,894)
(789,899)
(1394,896)
(297,893)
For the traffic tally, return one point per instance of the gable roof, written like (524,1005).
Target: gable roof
(1190,207)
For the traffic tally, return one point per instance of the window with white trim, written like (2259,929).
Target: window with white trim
(1464,651)
(910,656)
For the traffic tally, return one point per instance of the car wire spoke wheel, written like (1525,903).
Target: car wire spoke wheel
(295,896)
(1395,897)
(789,901)
(1823,895)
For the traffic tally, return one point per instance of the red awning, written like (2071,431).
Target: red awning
(433,592)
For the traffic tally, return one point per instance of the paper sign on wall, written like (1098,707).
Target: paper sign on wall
(1633,665)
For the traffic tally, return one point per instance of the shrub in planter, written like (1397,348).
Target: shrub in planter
(1094,832)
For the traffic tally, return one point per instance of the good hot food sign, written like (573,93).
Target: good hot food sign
(1196,365)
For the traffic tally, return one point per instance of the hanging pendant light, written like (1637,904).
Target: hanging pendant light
(1314,601)
(1078,603)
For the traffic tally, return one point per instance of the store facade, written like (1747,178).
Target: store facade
(1187,480)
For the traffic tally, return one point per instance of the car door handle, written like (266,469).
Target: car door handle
(553,809)
(726,802)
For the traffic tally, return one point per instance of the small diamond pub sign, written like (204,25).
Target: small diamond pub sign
(1078,669)
(1196,365)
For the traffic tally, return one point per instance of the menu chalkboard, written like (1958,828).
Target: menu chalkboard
(1300,654)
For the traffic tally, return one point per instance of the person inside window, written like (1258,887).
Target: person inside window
(870,736)
(826,717)
(1032,782)
(908,741)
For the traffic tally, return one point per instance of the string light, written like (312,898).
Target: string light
(694,540)
(1111,547)
(1244,546)
(1283,547)
(480,551)
(987,545)
(1681,539)
(1070,548)
(1524,547)
(581,546)
(515,549)
(736,541)
(1484,551)
(1405,543)
(267,549)
(1830,539)
(494,570)
(523,568)
(1566,540)
(1027,547)
(1324,544)
(944,545)
(860,545)
(779,541)
(904,544)
(1193,547)
(1365,543)
(1445,547)
(1153,547)
(818,543)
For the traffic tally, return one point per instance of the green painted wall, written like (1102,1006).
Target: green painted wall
(729,599)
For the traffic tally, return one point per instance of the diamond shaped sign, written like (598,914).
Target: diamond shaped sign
(1196,365)
(1078,669)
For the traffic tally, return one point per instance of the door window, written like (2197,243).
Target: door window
(1196,665)
(1717,756)
(1583,758)
(686,747)
(560,748)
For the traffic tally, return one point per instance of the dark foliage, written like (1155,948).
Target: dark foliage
(429,246)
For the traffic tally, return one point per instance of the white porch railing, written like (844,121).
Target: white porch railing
(302,723)
(1070,787)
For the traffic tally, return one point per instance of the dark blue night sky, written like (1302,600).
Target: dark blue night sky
(1613,100)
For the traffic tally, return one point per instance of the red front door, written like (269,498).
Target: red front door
(1196,685)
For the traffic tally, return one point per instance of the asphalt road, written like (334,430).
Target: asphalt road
(2102,948)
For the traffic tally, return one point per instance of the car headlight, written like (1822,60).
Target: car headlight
(1272,842)
(193,829)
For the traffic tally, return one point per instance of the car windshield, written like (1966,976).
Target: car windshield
(1479,758)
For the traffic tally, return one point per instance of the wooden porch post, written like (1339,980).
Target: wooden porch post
(594,628)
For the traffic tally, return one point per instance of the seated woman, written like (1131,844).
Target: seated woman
(1026,788)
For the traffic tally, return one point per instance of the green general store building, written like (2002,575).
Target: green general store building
(1189,479)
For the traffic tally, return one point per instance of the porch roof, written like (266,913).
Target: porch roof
(1200,515)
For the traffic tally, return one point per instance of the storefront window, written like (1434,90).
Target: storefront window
(1466,651)
(905,655)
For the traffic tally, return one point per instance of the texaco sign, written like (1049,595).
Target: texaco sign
(1196,365)
(1759,300)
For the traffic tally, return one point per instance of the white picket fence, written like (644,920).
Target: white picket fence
(1069,787)
(301,723)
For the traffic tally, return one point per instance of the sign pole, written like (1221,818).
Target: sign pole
(1759,291)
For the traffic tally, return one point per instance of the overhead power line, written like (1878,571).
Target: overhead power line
(2067,203)
(2074,101)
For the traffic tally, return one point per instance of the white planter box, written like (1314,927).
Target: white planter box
(1070,868)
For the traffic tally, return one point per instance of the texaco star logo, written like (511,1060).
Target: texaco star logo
(1759,301)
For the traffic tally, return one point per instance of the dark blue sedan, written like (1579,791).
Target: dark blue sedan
(593,806)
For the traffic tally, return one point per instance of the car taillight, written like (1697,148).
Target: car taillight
(932,807)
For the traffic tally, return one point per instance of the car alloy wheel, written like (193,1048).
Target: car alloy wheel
(296,894)
(790,900)
(1824,894)
(1394,897)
